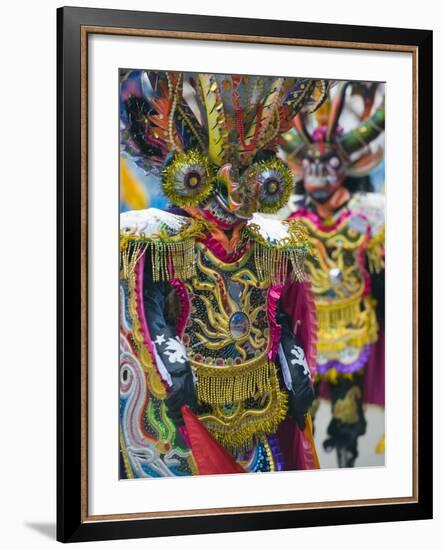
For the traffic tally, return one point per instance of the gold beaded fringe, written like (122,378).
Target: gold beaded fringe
(332,315)
(276,262)
(239,436)
(170,260)
(130,254)
(355,325)
(173,260)
(276,265)
(228,384)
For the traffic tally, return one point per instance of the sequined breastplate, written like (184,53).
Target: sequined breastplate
(228,323)
(227,338)
(227,319)
(346,317)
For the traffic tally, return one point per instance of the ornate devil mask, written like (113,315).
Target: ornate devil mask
(324,157)
(212,138)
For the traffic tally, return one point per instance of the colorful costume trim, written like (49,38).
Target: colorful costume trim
(202,285)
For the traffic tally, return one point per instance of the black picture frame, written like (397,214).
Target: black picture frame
(73,523)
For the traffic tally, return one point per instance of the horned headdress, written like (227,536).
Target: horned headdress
(353,145)
(199,130)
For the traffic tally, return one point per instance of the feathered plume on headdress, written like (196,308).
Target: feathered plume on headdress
(228,118)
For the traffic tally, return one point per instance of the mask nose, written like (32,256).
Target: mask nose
(240,198)
(229,189)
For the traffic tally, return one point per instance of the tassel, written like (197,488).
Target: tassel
(170,260)
(273,264)
(277,261)
(297,259)
(172,255)
(353,324)
(173,260)
(335,314)
(130,254)
(241,434)
(224,385)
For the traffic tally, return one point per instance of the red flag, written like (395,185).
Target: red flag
(210,456)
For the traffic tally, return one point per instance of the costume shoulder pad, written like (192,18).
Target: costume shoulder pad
(279,246)
(277,233)
(154,224)
(372,207)
(169,237)
(296,203)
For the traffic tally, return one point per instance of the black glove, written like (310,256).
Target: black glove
(174,366)
(301,397)
(348,422)
(295,372)
(171,357)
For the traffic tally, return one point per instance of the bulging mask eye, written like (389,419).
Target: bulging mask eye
(188,179)
(334,162)
(275,182)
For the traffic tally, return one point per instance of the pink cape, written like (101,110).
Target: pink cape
(298,447)
(374,381)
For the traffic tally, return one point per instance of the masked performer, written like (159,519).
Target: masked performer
(214,374)
(347,232)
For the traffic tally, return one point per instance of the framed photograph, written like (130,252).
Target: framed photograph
(244,274)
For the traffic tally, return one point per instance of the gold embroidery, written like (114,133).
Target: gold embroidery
(348,332)
(375,253)
(227,384)
(277,261)
(227,342)
(269,454)
(336,313)
(172,255)
(125,459)
(237,430)
(154,381)
(346,409)
(222,311)
(345,317)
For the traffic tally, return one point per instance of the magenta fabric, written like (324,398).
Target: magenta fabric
(374,381)
(139,303)
(219,251)
(317,221)
(297,301)
(296,450)
(185,303)
(275,329)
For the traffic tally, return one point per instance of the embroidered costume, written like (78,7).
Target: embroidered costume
(217,329)
(347,233)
